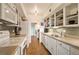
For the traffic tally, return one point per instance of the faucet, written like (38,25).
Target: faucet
(62,33)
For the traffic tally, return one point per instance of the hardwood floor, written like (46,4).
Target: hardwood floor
(36,48)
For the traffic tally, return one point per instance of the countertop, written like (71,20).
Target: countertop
(9,47)
(68,40)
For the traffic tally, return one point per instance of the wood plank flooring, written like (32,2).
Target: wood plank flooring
(36,48)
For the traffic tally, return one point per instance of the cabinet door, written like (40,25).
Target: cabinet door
(43,39)
(8,14)
(52,46)
(18,51)
(61,50)
(74,50)
(46,41)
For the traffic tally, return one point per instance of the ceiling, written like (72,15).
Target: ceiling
(37,11)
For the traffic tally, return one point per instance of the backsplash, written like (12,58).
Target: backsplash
(69,31)
(3,27)
(72,31)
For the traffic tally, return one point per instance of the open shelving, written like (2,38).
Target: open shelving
(52,20)
(59,18)
(66,16)
(71,14)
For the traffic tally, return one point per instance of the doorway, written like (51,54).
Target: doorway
(33,29)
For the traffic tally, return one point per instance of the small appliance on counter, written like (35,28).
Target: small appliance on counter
(17,30)
(46,30)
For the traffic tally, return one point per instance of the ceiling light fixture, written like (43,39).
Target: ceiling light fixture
(36,10)
(50,10)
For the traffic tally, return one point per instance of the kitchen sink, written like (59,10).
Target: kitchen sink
(57,36)
(52,35)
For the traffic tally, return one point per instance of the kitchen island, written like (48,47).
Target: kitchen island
(14,45)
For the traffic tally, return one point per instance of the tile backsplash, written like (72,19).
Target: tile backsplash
(74,31)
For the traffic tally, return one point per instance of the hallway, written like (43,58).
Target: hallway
(36,48)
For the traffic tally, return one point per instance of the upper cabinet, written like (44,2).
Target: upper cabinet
(7,14)
(52,20)
(71,14)
(66,15)
(59,18)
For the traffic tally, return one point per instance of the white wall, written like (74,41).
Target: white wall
(26,30)
(24,26)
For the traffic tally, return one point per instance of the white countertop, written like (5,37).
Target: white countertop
(67,40)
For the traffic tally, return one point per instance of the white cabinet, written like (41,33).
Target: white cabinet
(46,42)
(59,17)
(23,45)
(18,51)
(7,14)
(52,46)
(74,50)
(62,48)
(56,47)
(49,43)
(65,15)
(43,39)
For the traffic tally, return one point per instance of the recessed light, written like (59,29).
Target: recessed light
(7,11)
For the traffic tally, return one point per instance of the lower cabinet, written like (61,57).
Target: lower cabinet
(74,50)
(43,39)
(56,47)
(21,48)
(23,45)
(49,43)
(62,48)
(52,46)
(18,51)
